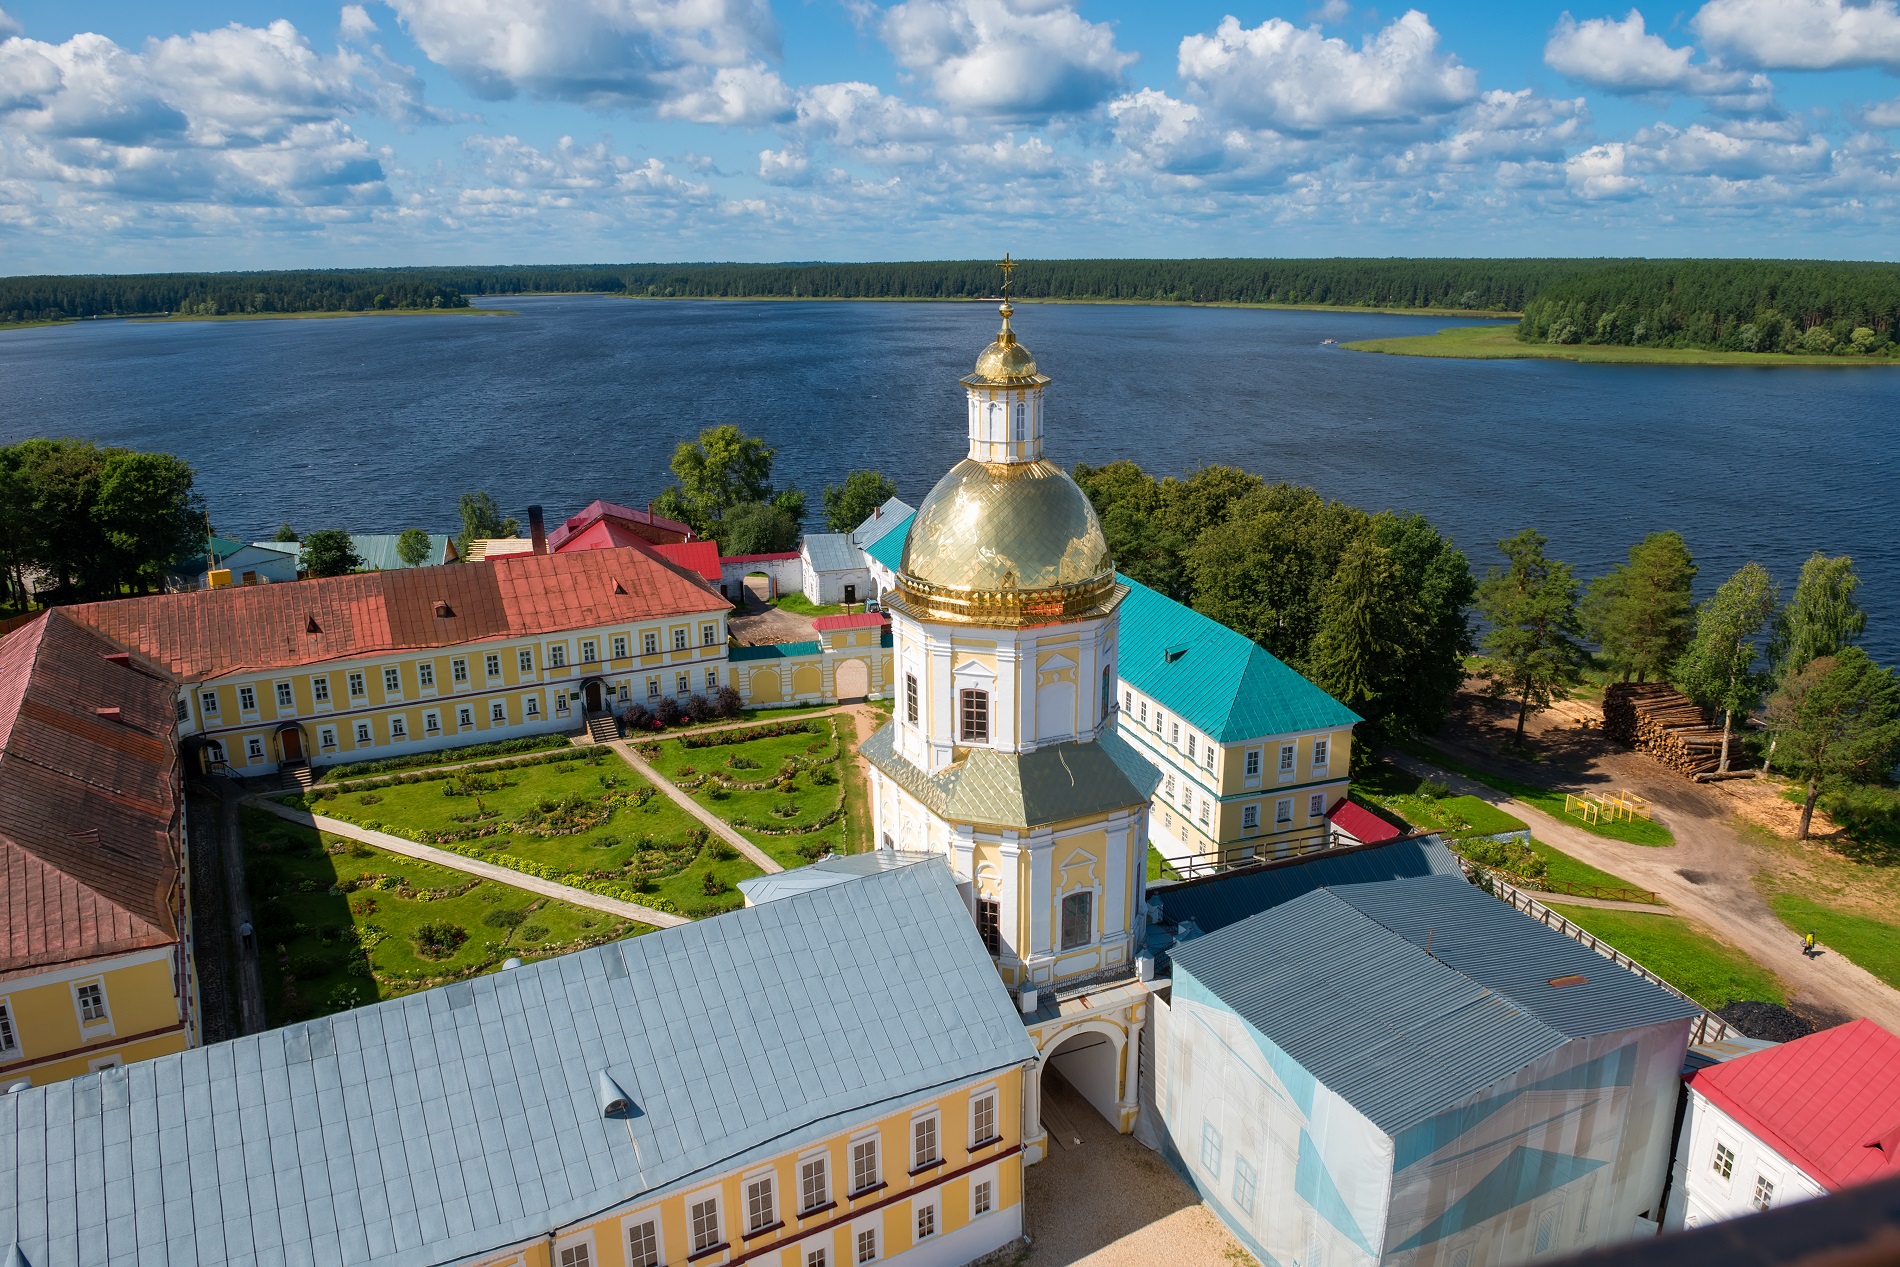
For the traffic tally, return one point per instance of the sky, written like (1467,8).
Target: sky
(212,134)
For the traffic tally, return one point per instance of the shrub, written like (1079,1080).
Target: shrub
(668,711)
(1512,857)
(505,917)
(532,932)
(739,761)
(698,707)
(825,776)
(345,997)
(720,851)
(1432,790)
(369,798)
(439,940)
(726,702)
(637,717)
(712,886)
(311,963)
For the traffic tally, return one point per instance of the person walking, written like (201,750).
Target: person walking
(1807,945)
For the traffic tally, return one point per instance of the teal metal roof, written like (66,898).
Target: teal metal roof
(445,1124)
(378,550)
(776,651)
(1221,682)
(888,549)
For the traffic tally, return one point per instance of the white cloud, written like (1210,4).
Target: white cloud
(1733,152)
(784,167)
(1020,58)
(1600,173)
(355,23)
(8,26)
(1293,79)
(1880,116)
(878,128)
(1513,126)
(1621,56)
(1803,34)
(699,60)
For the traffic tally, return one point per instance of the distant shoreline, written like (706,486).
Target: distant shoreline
(167,318)
(1476,314)
(1499,343)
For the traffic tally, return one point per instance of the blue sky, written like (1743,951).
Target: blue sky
(219,134)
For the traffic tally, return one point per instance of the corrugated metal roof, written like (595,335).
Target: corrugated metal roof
(1228,898)
(447,1123)
(820,875)
(379,554)
(776,651)
(832,552)
(888,549)
(1220,681)
(889,517)
(1399,1035)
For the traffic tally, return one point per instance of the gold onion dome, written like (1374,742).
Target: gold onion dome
(1005,363)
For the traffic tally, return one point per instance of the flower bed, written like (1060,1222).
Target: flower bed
(441,756)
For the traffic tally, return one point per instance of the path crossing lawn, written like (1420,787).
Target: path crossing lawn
(1711,972)
(813,794)
(1871,943)
(1637,831)
(617,827)
(1562,868)
(340,923)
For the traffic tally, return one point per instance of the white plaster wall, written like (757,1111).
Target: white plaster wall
(1700,1195)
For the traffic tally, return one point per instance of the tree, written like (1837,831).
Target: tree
(722,469)
(1531,652)
(285,533)
(148,515)
(1837,721)
(1641,613)
(756,528)
(1437,575)
(849,504)
(1821,619)
(413,547)
(1362,652)
(1718,670)
(330,552)
(481,519)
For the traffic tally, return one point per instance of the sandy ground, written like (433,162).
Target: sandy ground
(758,624)
(1109,1202)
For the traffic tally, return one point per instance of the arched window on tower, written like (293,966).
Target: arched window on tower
(996,422)
(1022,422)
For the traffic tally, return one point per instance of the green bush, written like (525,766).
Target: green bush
(439,940)
(505,917)
(532,932)
(1512,857)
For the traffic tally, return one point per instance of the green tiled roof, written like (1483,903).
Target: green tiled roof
(1221,682)
(1053,784)
(776,651)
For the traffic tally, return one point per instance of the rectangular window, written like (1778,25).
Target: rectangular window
(1316,805)
(392,681)
(1286,758)
(1320,754)
(1724,1160)
(184,710)
(650,643)
(620,646)
(760,1209)
(247,699)
(982,1196)
(254,748)
(1128,701)
(926,1222)
(431,723)
(1174,735)
(560,703)
(458,670)
(326,738)
(983,1119)
(643,1245)
(497,711)
(1764,1192)
(1245,1181)
(1210,1149)
(491,665)
(557,655)
(1207,806)
(425,675)
(1283,811)
(285,699)
(590,651)
(712,680)
(356,686)
(867,1245)
(574,1256)
(705,1217)
(653,688)
(1192,740)
(92,1003)
(681,684)
(923,1142)
(1141,712)
(1546,1230)
(679,640)
(910,698)
(320,689)
(989,924)
(533,706)
(524,659)
(1249,816)
(1207,755)
(1078,920)
(976,716)
(1253,762)
(863,1164)
(817,1257)
(9,1041)
(362,733)
(208,702)
(709,635)
(814,1183)
(1170,785)
(398,728)
(464,717)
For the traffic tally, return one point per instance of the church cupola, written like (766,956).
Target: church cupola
(1005,395)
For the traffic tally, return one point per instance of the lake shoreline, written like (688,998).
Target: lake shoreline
(169,318)
(1499,343)
(1022,301)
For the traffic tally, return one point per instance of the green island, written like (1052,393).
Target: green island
(1500,343)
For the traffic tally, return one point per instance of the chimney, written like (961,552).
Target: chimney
(538,529)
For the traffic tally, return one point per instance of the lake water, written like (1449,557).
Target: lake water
(378,423)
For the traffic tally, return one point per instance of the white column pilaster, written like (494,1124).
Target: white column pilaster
(939,701)
(1009,686)
(1010,852)
(1115,885)
(1041,886)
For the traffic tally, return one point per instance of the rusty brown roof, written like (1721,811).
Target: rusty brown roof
(89,798)
(204,634)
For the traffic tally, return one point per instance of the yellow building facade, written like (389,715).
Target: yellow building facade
(81,1017)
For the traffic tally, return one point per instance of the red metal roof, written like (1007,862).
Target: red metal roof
(1362,824)
(204,634)
(89,799)
(1829,1103)
(642,523)
(861,620)
(695,556)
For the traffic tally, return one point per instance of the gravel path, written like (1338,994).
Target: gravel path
(764,861)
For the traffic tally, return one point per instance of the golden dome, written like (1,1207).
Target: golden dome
(1005,363)
(1006,544)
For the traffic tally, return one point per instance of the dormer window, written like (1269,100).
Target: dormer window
(974,710)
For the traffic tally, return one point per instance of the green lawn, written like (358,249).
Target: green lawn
(591,818)
(1561,868)
(1639,831)
(1397,792)
(1712,973)
(795,602)
(337,921)
(1485,343)
(441,756)
(1871,943)
(810,796)
(1158,868)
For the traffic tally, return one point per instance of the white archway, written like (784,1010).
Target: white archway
(1089,1058)
(853,679)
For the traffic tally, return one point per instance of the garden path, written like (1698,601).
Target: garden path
(473,866)
(1708,875)
(759,858)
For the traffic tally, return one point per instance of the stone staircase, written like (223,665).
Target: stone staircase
(602,727)
(296,776)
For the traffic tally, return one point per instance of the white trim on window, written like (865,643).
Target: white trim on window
(575,1250)
(91,1006)
(9,1030)
(649,1250)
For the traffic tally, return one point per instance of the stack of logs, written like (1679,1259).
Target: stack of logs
(1655,718)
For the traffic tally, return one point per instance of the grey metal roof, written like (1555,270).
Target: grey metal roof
(770,888)
(876,527)
(1230,897)
(833,552)
(437,1126)
(1053,784)
(378,550)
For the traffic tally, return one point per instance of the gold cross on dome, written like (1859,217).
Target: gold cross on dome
(1007,265)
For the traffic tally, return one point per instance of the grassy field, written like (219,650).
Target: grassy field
(1711,972)
(796,603)
(806,798)
(1640,831)
(591,817)
(439,757)
(341,924)
(1158,868)
(1561,868)
(1871,943)
(1397,792)
(1489,343)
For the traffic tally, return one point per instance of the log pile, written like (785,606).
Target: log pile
(1656,719)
